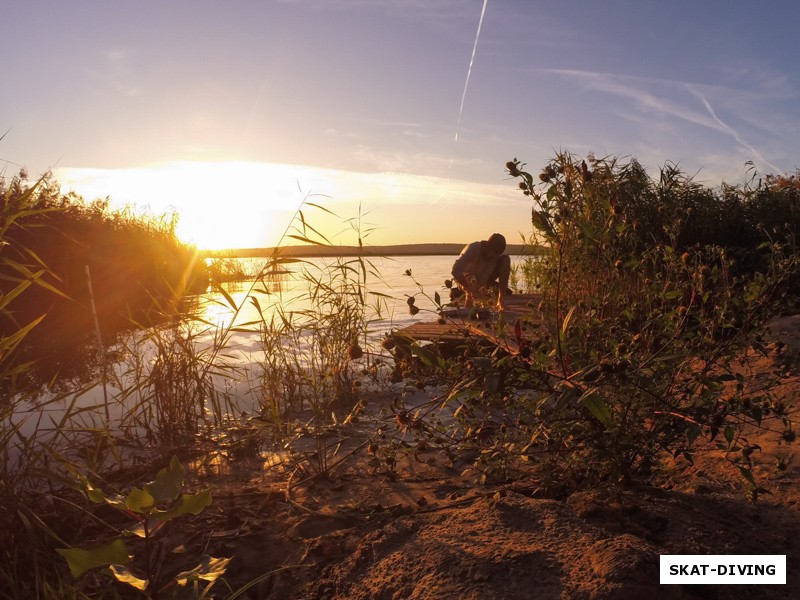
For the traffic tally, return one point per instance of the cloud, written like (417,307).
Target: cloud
(667,99)
(633,88)
(731,131)
(251,204)
(273,186)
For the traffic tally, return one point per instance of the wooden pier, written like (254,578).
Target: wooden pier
(521,312)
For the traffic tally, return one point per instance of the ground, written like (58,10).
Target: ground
(431,532)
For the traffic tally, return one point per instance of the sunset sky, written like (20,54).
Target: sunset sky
(231,113)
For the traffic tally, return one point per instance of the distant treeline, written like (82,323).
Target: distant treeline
(309,251)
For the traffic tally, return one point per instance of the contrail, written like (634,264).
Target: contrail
(469,69)
(730,130)
(463,97)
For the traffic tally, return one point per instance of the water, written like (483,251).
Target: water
(388,284)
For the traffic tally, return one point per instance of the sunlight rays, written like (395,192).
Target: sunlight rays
(246,204)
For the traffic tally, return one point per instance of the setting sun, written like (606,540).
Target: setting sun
(218,205)
(221,205)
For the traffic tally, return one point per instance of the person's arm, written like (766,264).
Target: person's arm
(461,270)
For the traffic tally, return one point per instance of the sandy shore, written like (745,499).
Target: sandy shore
(431,532)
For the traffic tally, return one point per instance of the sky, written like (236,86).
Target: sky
(395,115)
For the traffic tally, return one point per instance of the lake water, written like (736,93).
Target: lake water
(387,284)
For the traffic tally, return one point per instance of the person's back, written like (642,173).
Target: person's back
(483,265)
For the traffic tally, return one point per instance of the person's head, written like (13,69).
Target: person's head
(495,245)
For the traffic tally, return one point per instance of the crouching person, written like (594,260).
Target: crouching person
(483,269)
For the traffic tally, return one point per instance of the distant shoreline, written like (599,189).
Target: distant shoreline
(308,251)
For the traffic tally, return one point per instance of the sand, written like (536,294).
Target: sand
(431,532)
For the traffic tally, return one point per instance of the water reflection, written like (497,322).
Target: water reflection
(225,328)
(384,291)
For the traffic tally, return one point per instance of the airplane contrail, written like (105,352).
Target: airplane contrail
(731,131)
(464,96)
(469,69)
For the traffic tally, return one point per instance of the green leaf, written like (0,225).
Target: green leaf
(188,504)
(428,358)
(139,529)
(95,494)
(168,483)
(231,302)
(117,501)
(748,475)
(595,404)
(124,574)
(728,433)
(540,222)
(139,501)
(6,299)
(8,343)
(209,569)
(81,560)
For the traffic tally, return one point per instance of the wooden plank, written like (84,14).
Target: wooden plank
(496,327)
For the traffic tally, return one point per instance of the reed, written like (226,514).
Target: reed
(315,350)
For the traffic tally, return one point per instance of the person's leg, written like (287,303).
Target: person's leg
(501,272)
(504,268)
(500,276)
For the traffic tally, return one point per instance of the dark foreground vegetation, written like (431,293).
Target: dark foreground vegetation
(652,292)
(58,247)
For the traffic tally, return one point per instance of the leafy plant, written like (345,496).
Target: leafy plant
(151,507)
(646,334)
(139,271)
(637,347)
(169,381)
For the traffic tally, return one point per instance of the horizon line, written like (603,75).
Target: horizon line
(313,251)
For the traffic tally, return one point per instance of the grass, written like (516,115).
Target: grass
(632,303)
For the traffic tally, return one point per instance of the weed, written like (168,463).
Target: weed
(151,508)
(641,349)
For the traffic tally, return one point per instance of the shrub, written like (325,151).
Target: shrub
(646,331)
(151,509)
(139,271)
